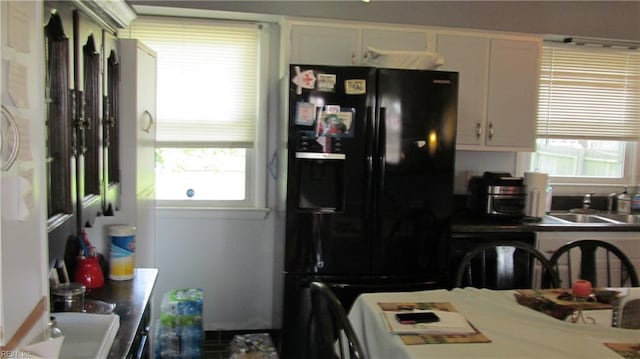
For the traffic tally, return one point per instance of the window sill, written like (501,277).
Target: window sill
(213,213)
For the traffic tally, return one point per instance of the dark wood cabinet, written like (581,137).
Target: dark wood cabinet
(133,305)
(60,108)
(141,348)
(82,89)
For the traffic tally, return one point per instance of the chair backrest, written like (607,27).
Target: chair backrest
(332,334)
(600,262)
(506,265)
(626,314)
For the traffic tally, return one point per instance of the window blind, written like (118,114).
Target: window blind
(589,93)
(207,80)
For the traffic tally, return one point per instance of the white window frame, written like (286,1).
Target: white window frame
(254,205)
(572,184)
(578,185)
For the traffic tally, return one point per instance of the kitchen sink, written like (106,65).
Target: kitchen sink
(582,218)
(87,335)
(624,218)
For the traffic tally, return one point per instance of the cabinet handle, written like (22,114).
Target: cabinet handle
(354,58)
(150,123)
(478,129)
(80,125)
(491,130)
(140,353)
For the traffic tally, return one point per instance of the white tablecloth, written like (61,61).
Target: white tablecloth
(515,331)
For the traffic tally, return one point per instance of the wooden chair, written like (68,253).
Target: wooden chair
(627,315)
(332,335)
(593,268)
(506,265)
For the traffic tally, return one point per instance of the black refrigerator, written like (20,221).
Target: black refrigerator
(371,155)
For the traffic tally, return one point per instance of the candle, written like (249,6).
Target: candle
(581,288)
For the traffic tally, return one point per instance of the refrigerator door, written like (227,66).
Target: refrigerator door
(329,159)
(415,165)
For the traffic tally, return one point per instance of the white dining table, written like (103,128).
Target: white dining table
(515,331)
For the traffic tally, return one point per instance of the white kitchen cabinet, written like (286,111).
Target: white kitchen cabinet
(628,242)
(138,65)
(324,45)
(346,44)
(498,90)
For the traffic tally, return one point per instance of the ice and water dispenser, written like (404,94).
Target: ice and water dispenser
(320,181)
(321,134)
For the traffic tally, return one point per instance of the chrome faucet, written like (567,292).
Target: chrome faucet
(586,202)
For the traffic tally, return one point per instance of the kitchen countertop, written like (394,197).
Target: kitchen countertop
(131,298)
(465,223)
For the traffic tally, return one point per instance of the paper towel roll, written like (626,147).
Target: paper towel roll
(536,201)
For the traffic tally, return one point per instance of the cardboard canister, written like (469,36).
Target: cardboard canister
(122,255)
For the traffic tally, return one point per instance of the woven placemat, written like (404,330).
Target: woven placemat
(626,350)
(413,339)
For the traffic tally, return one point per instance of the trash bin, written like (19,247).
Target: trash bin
(252,346)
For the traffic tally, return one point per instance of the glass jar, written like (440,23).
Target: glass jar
(68,297)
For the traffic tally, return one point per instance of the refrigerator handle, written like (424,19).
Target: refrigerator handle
(369,201)
(382,148)
(369,142)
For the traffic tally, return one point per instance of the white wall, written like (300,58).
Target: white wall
(238,262)
(232,260)
(472,163)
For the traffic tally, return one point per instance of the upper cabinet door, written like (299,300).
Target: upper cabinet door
(147,82)
(324,45)
(470,57)
(137,118)
(513,93)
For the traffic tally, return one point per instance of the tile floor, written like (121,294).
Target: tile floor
(216,344)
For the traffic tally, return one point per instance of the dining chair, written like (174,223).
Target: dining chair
(332,335)
(626,314)
(506,265)
(596,260)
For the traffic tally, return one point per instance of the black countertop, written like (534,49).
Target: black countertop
(465,223)
(131,298)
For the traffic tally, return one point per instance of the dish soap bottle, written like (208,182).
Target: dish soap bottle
(624,202)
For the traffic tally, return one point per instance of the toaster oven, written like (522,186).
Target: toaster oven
(497,194)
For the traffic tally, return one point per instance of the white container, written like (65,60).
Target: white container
(537,184)
(122,255)
(624,202)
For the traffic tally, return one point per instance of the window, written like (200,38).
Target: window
(588,114)
(211,98)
